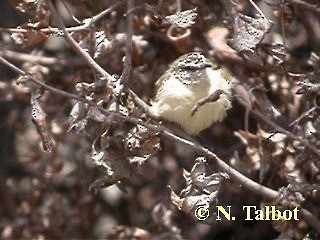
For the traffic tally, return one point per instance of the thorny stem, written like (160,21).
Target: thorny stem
(247,183)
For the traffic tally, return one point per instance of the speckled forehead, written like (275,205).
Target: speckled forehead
(194,60)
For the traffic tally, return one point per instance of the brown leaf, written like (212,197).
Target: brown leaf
(24,6)
(38,10)
(30,38)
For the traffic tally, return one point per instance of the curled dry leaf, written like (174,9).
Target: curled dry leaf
(118,148)
(290,198)
(200,190)
(24,6)
(84,117)
(120,152)
(30,38)
(39,118)
(77,120)
(247,31)
(38,10)
(140,144)
(183,19)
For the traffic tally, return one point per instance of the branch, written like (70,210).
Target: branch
(25,57)
(245,182)
(83,27)
(315,8)
(311,24)
(86,56)
(258,115)
(128,59)
(311,219)
(92,63)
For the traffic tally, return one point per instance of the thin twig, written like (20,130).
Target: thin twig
(101,15)
(91,62)
(83,27)
(302,116)
(128,58)
(315,8)
(44,60)
(45,86)
(257,8)
(311,219)
(77,48)
(70,13)
(139,100)
(282,19)
(263,118)
(234,174)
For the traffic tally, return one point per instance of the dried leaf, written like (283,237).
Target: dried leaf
(24,6)
(38,10)
(40,15)
(200,190)
(30,38)
(183,19)
(39,119)
(140,144)
(247,32)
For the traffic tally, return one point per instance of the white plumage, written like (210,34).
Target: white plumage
(175,100)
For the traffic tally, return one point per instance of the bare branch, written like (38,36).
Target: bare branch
(245,182)
(128,58)
(263,118)
(44,60)
(76,47)
(315,8)
(83,27)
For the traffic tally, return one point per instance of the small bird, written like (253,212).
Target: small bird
(194,93)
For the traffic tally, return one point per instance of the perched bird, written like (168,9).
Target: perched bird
(194,93)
